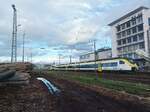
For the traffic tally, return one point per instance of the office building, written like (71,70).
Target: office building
(130,33)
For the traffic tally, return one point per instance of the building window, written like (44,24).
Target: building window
(124,41)
(133,20)
(124,55)
(130,55)
(120,55)
(125,49)
(123,26)
(129,48)
(134,30)
(139,18)
(128,24)
(87,56)
(119,50)
(118,28)
(128,32)
(141,45)
(123,34)
(119,35)
(140,27)
(129,39)
(119,42)
(136,46)
(135,55)
(135,38)
(141,36)
(149,21)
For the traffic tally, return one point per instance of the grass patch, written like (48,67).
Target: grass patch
(133,88)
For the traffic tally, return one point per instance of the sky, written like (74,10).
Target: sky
(60,27)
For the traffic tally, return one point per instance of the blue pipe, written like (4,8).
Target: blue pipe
(52,89)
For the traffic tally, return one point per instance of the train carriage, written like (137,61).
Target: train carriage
(113,64)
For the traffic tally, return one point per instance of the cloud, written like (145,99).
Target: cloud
(59,24)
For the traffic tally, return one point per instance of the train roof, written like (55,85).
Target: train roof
(129,59)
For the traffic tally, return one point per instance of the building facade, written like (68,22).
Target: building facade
(130,33)
(87,57)
(103,53)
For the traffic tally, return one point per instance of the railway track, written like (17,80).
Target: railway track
(137,77)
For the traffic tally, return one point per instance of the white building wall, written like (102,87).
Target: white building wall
(87,57)
(146,14)
(104,54)
(149,42)
(100,55)
(114,42)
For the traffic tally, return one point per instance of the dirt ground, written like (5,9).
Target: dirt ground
(78,98)
(73,98)
(31,98)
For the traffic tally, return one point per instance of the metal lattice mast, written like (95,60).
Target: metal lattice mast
(14,37)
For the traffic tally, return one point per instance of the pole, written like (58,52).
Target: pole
(14,36)
(94,44)
(23,47)
(148,35)
(31,56)
(59,58)
(70,59)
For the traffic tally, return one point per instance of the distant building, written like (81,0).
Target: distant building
(87,57)
(130,33)
(102,53)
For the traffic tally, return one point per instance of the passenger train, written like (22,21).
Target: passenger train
(113,64)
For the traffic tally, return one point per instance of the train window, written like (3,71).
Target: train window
(114,64)
(109,64)
(121,62)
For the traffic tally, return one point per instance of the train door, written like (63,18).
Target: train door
(99,67)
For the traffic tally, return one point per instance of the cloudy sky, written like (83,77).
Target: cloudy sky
(62,27)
